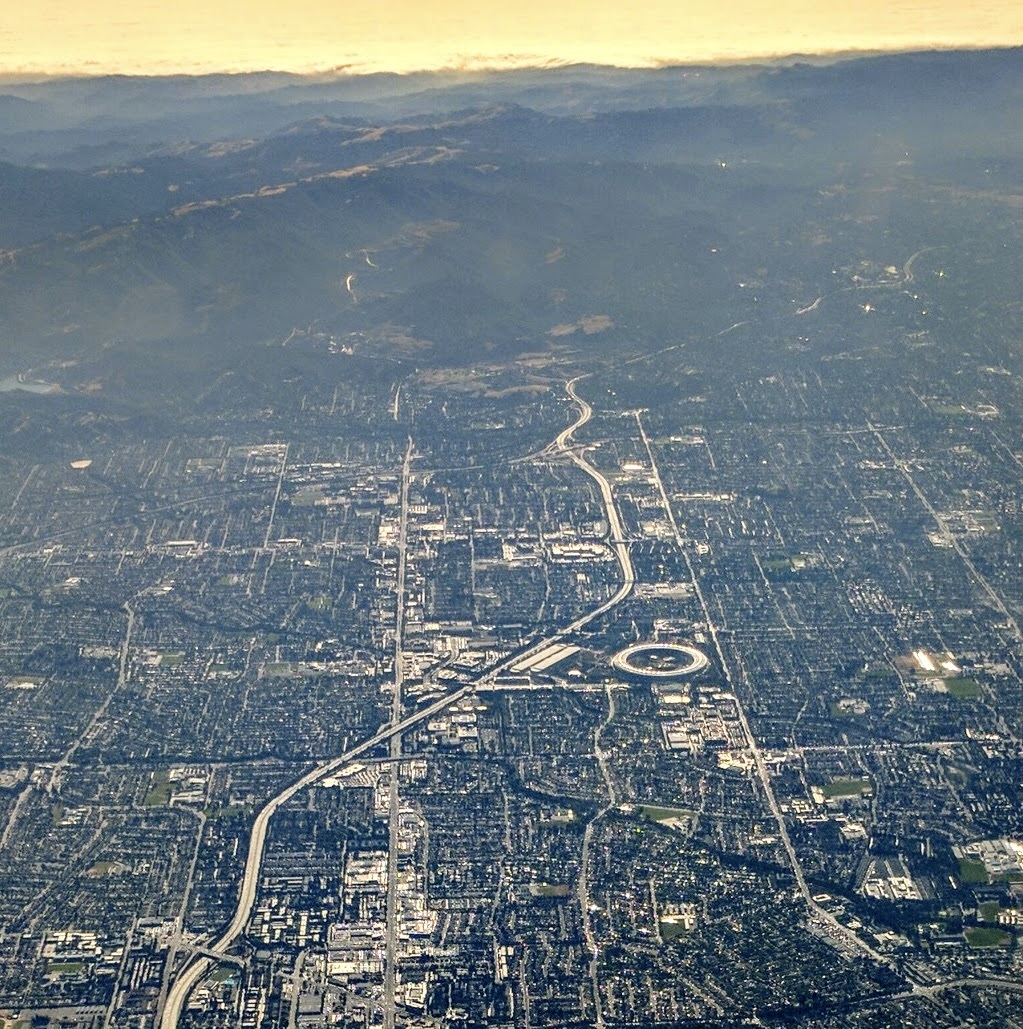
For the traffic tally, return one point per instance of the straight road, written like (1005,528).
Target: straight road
(390,963)
(823,917)
(201,966)
(122,677)
(191,975)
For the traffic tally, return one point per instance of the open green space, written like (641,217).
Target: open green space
(785,562)
(65,967)
(963,689)
(989,911)
(160,792)
(877,673)
(846,788)
(308,496)
(972,871)
(985,937)
(663,814)
(671,930)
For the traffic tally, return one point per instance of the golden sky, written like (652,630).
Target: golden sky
(161,36)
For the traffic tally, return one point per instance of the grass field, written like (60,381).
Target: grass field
(987,937)
(877,673)
(963,689)
(846,788)
(64,967)
(671,930)
(972,871)
(160,792)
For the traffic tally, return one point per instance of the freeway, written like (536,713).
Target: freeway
(561,446)
(620,546)
(979,983)
(204,963)
(617,538)
(192,973)
(176,941)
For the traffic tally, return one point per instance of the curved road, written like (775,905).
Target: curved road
(191,975)
(250,880)
(616,538)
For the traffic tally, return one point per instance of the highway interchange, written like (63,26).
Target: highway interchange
(207,958)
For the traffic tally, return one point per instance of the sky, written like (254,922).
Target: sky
(172,36)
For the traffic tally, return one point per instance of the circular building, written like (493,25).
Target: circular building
(660,660)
